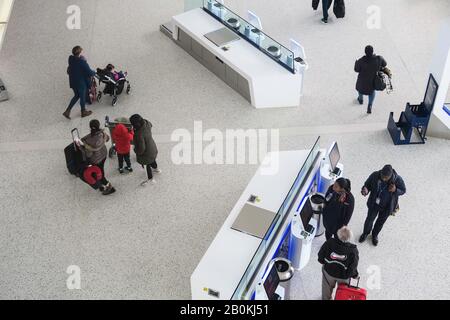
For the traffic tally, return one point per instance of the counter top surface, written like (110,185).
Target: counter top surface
(241,55)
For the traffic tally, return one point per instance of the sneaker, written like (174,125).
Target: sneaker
(129,169)
(66,114)
(157,170)
(325,21)
(149,181)
(121,170)
(86,113)
(375,241)
(362,238)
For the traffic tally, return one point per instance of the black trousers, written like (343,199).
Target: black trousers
(101,165)
(329,235)
(153,165)
(123,157)
(373,213)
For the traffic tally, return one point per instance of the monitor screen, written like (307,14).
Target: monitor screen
(306,213)
(334,156)
(271,282)
(430,94)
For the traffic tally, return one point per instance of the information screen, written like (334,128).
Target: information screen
(430,94)
(335,156)
(271,283)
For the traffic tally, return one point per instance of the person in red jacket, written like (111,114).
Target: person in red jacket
(122,138)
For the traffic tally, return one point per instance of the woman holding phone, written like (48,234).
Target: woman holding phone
(339,205)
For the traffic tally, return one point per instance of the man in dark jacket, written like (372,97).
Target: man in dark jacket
(385,187)
(367,68)
(144,146)
(80,75)
(340,259)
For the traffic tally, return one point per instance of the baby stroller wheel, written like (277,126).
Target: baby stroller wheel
(128,89)
(112,152)
(99,96)
(114,101)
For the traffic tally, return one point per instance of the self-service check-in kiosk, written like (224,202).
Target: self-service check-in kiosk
(276,230)
(331,169)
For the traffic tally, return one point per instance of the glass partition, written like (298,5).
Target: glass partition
(253,35)
(245,288)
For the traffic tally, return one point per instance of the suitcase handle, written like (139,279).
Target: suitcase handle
(75,130)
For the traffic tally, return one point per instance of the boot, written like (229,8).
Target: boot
(67,114)
(86,113)
(369,109)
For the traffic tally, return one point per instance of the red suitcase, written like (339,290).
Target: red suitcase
(348,292)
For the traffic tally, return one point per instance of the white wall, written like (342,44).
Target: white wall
(440,68)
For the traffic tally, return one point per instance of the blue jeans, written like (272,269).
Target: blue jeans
(325,4)
(79,94)
(371,97)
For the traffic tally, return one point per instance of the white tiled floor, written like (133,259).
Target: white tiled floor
(145,243)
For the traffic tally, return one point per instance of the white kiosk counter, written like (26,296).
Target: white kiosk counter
(236,260)
(243,64)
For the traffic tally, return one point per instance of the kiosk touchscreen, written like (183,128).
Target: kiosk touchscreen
(271,283)
(334,157)
(430,94)
(306,215)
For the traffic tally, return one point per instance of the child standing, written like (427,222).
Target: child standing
(122,137)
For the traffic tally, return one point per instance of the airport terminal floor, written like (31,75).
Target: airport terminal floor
(145,242)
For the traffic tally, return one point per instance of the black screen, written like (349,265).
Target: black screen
(306,214)
(271,283)
(430,94)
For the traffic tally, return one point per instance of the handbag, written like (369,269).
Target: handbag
(315,4)
(339,8)
(378,82)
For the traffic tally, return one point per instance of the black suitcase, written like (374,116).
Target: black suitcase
(75,159)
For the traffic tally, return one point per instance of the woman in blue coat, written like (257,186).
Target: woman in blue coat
(80,75)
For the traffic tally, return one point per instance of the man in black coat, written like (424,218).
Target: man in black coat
(385,187)
(367,68)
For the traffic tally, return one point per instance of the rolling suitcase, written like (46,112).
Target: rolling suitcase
(348,292)
(74,156)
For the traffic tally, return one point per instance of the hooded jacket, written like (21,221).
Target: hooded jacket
(95,146)
(80,73)
(144,145)
(340,260)
(122,139)
(372,185)
(337,214)
(367,68)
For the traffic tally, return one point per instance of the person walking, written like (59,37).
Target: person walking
(367,68)
(385,187)
(96,153)
(145,147)
(80,76)
(339,258)
(339,205)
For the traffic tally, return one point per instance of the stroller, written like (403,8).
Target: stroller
(113,86)
(111,126)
